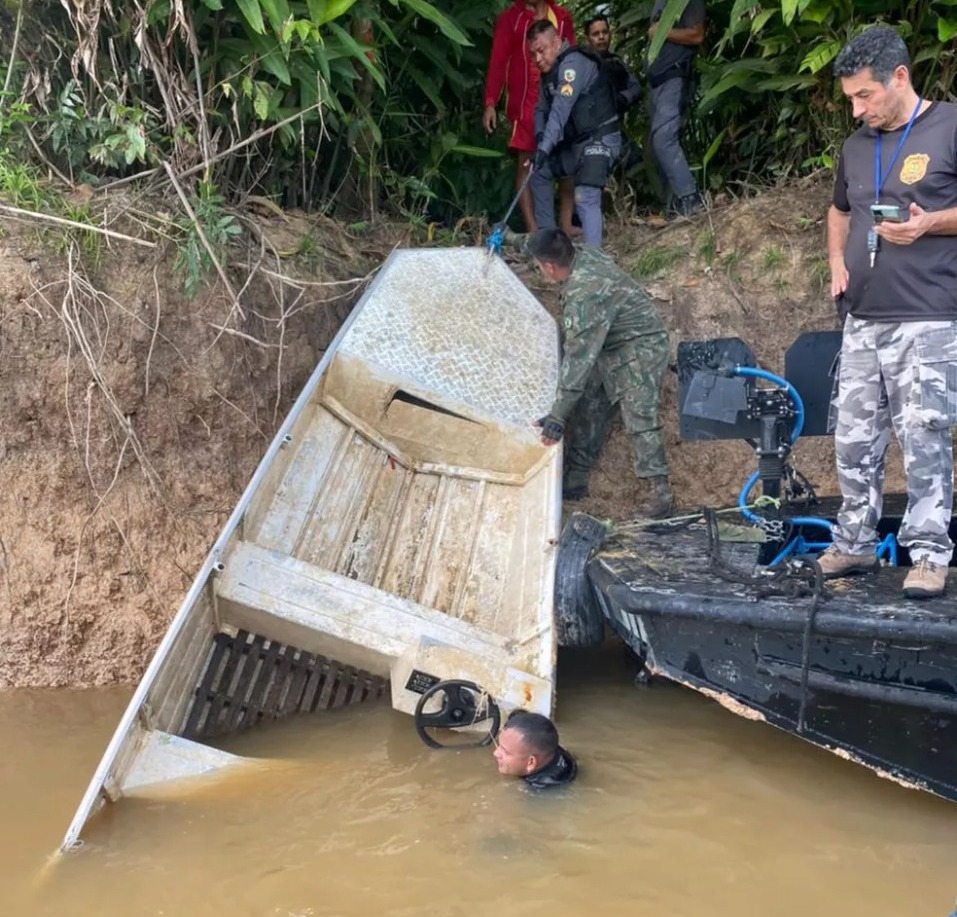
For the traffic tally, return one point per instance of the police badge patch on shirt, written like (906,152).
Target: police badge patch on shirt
(914,168)
(566,89)
(569,76)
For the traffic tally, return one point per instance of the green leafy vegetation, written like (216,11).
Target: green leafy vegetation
(90,242)
(365,106)
(20,184)
(657,258)
(364,103)
(820,273)
(730,262)
(218,227)
(707,245)
(773,258)
(767,107)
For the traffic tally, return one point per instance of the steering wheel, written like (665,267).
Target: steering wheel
(463,705)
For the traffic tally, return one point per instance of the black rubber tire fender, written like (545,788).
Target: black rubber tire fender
(578,617)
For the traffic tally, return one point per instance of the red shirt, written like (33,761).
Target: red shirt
(509,65)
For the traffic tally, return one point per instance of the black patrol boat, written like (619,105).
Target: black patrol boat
(733,604)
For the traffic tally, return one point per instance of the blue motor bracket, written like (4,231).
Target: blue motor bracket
(797,545)
(719,398)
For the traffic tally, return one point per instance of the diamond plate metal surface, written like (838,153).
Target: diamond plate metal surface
(460,328)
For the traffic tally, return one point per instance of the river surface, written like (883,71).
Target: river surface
(681,809)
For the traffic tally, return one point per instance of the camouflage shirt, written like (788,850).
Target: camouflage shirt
(608,320)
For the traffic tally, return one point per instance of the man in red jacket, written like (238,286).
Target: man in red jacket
(510,67)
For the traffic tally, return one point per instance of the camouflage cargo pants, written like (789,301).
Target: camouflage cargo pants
(638,384)
(900,376)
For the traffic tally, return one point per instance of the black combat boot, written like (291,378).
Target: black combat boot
(659,502)
(688,205)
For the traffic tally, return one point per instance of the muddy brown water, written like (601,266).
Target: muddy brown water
(682,809)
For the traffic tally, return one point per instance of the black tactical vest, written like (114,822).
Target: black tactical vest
(617,72)
(594,111)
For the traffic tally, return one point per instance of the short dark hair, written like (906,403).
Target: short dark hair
(541,27)
(552,246)
(538,731)
(879,48)
(599,18)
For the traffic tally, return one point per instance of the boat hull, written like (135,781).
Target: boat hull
(857,670)
(400,531)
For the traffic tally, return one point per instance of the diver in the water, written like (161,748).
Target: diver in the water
(527,747)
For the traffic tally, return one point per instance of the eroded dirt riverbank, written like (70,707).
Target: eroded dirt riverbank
(132,417)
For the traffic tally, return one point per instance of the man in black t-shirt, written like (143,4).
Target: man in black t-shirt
(527,747)
(670,83)
(897,283)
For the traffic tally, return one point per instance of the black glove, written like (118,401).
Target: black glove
(539,160)
(552,427)
(622,103)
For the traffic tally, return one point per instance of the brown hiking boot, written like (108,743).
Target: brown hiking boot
(925,580)
(834,564)
(659,503)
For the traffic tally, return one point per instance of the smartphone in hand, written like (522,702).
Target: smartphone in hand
(889,213)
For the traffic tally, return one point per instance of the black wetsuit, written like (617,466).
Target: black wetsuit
(559,771)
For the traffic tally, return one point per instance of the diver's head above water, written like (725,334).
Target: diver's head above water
(528,747)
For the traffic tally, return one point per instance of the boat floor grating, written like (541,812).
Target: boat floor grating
(248,679)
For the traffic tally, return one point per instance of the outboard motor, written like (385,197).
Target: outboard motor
(719,397)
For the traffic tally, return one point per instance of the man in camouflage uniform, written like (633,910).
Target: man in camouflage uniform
(615,353)
(897,284)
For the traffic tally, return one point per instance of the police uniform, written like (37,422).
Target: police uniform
(626,85)
(670,84)
(576,126)
(627,94)
(615,353)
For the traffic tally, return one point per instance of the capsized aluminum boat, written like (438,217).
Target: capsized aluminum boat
(400,532)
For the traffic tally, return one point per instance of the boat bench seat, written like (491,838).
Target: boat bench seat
(282,598)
